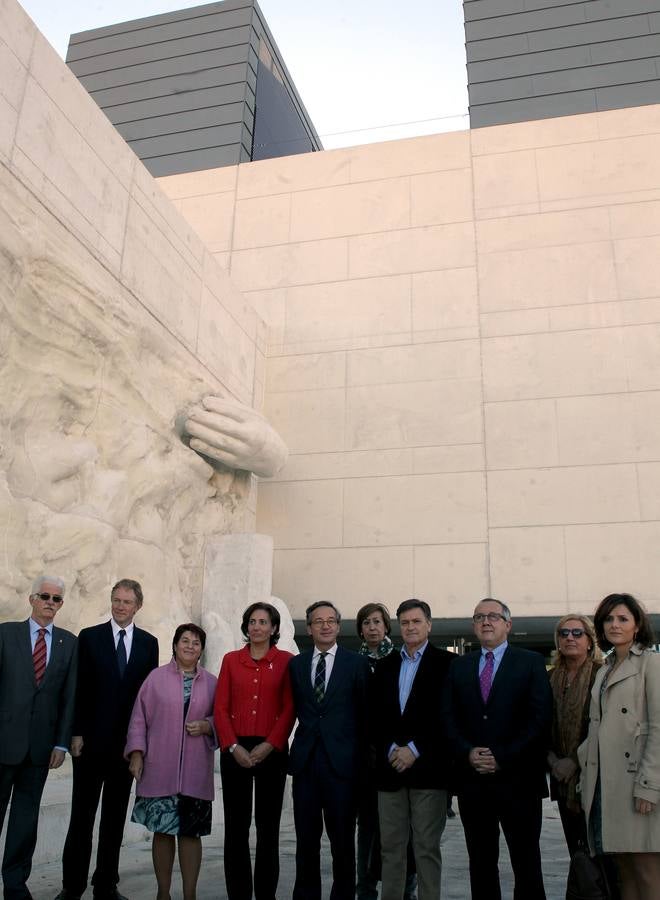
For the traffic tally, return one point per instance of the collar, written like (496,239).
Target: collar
(331,652)
(498,652)
(117,628)
(35,627)
(246,659)
(416,655)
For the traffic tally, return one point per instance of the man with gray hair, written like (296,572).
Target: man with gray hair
(37,696)
(498,714)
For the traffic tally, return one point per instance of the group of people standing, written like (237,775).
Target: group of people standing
(384,736)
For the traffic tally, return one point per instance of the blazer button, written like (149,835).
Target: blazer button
(627,755)
(623,709)
(485,717)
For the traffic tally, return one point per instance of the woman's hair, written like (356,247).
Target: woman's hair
(273,615)
(590,631)
(367,610)
(188,626)
(644,634)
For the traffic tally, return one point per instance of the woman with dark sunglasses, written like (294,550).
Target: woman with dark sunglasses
(576,662)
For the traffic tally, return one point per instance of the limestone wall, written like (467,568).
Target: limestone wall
(114,317)
(463,358)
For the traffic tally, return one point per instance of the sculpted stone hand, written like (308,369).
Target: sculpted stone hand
(236,435)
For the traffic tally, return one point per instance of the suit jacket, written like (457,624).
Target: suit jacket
(338,723)
(421,721)
(34,719)
(515,722)
(104,701)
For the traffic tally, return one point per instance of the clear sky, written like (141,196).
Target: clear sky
(367,70)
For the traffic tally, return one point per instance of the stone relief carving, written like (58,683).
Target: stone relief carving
(236,435)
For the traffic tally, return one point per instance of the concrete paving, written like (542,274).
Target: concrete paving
(137,880)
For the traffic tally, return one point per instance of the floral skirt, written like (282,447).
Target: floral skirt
(177,814)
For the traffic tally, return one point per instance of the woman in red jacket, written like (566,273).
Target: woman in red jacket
(254,717)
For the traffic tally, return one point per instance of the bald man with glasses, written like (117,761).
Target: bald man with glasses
(498,715)
(37,696)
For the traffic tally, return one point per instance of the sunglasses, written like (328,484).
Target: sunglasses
(46,597)
(574,632)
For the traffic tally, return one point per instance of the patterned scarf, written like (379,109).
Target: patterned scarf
(571,718)
(383,649)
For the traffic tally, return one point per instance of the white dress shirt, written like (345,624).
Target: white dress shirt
(329,662)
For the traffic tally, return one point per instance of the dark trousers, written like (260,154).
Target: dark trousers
(24,783)
(91,774)
(320,795)
(575,827)
(485,806)
(267,779)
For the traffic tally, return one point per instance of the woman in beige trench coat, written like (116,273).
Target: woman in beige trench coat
(620,759)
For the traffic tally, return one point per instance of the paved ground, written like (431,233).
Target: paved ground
(138,881)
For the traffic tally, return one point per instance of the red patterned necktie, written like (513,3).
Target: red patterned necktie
(486,677)
(39,655)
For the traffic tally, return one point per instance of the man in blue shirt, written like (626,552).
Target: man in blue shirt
(412,762)
(498,710)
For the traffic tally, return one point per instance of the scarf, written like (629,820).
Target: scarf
(571,718)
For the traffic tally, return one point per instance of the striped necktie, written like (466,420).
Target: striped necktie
(39,656)
(319,678)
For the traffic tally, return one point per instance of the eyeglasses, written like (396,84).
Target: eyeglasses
(574,632)
(46,597)
(478,618)
(319,623)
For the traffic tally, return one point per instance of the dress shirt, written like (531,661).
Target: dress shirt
(498,653)
(128,640)
(35,628)
(329,662)
(409,666)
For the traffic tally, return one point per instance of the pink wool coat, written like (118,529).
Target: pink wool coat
(174,762)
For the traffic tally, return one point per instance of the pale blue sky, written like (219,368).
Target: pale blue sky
(358,64)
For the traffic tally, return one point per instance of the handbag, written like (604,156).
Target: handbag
(587,879)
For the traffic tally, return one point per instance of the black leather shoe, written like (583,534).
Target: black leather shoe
(108,895)
(66,895)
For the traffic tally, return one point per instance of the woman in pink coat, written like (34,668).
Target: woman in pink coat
(170,747)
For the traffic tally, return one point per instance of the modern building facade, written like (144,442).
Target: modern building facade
(537,59)
(196,88)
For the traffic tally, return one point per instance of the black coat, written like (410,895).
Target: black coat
(104,701)
(338,723)
(421,721)
(515,723)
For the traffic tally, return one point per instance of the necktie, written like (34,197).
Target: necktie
(319,678)
(486,677)
(39,655)
(121,653)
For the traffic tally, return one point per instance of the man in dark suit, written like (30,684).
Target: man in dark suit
(412,758)
(498,711)
(37,694)
(114,660)
(329,686)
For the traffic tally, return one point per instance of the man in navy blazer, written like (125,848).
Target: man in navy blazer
(498,712)
(411,753)
(114,660)
(329,686)
(37,694)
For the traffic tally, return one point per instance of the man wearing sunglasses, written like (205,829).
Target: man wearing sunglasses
(37,695)
(498,710)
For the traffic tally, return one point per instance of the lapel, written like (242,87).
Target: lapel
(338,671)
(418,680)
(108,648)
(136,652)
(25,649)
(628,668)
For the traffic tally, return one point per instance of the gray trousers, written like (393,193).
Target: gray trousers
(424,812)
